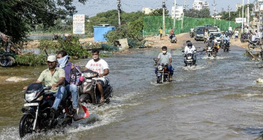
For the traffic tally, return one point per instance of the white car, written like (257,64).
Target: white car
(217,36)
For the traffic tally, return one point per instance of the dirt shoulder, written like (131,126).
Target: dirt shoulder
(165,41)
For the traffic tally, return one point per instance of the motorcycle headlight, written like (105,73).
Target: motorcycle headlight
(160,68)
(29,96)
(189,57)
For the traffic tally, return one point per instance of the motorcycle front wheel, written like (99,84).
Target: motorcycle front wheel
(26,125)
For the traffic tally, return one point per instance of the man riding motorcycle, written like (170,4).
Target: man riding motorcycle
(102,68)
(54,77)
(190,49)
(165,58)
(210,43)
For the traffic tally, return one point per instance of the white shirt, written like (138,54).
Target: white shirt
(253,37)
(236,33)
(98,66)
(189,50)
(192,29)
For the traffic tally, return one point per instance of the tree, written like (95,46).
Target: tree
(159,12)
(235,14)
(18,17)
(203,13)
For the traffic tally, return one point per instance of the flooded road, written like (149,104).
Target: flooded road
(218,99)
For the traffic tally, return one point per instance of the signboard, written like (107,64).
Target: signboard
(239,20)
(79,24)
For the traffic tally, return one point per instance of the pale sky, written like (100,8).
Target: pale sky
(92,7)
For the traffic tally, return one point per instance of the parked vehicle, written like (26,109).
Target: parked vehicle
(199,33)
(173,38)
(244,37)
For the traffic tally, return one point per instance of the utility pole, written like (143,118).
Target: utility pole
(174,14)
(259,16)
(248,13)
(229,16)
(119,12)
(164,18)
(242,16)
(214,5)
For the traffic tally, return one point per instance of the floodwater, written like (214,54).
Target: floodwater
(216,100)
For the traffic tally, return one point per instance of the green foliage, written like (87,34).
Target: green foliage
(159,12)
(72,46)
(111,17)
(203,13)
(235,14)
(18,17)
(31,59)
(132,30)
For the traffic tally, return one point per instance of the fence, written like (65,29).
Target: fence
(153,23)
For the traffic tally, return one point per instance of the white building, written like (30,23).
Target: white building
(147,11)
(177,13)
(199,5)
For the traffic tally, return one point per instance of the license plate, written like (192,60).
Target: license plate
(31,104)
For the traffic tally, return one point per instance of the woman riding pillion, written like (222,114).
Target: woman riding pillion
(165,58)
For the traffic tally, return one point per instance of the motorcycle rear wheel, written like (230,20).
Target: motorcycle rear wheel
(26,125)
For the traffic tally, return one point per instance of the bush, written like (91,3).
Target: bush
(31,59)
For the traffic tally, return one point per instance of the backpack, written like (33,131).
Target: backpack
(75,73)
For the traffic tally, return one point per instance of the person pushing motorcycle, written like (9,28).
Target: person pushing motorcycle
(165,58)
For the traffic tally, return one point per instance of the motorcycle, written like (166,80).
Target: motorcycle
(244,37)
(88,90)
(173,38)
(37,115)
(163,74)
(211,51)
(253,44)
(189,59)
(225,46)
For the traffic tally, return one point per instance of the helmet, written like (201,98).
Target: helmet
(189,44)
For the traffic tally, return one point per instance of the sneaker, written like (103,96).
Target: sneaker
(53,113)
(72,113)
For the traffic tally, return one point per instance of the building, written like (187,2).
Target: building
(177,13)
(147,11)
(100,32)
(199,5)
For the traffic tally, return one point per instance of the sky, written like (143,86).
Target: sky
(92,7)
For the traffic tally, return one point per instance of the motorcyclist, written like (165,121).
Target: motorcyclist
(165,58)
(71,80)
(210,43)
(102,68)
(190,48)
(54,77)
